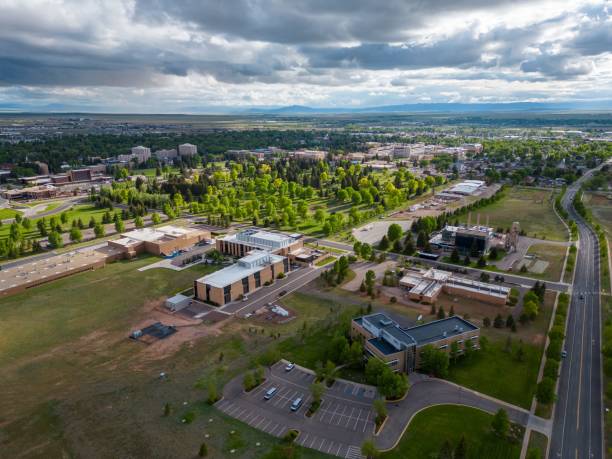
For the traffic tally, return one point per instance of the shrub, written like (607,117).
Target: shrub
(551,369)
(545,392)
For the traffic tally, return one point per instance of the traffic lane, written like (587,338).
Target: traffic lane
(266,294)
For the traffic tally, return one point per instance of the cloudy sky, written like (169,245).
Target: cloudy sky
(194,55)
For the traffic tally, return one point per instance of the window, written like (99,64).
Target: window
(257,276)
(227,294)
(272,269)
(392,363)
(444,346)
(207,292)
(459,341)
(245,285)
(286,264)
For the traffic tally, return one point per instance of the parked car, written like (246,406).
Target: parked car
(270,393)
(296,404)
(283,293)
(563,353)
(290,366)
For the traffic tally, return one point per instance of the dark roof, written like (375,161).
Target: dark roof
(440,329)
(383,346)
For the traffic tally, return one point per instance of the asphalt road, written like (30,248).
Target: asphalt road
(578,418)
(293,281)
(473,273)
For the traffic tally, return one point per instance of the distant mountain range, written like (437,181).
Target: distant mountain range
(435,108)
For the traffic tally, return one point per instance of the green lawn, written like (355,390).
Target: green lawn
(82,211)
(554,255)
(430,428)
(8,213)
(325,261)
(497,373)
(325,317)
(63,310)
(532,208)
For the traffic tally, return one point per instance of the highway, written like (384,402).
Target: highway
(578,418)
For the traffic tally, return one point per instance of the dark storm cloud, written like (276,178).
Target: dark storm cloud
(295,42)
(310,21)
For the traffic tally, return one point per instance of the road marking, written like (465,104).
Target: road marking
(303,439)
(349,417)
(266,426)
(331,444)
(342,415)
(357,420)
(365,424)
(321,445)
(259,423)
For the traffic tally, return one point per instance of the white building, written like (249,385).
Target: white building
(142,154)
(165,155)
(188,149)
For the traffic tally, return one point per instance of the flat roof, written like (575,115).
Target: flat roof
(420,334)
(440,329)
(237,271)
(35,272)
(383,346)
(154,234)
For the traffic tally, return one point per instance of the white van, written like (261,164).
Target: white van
(296,404)
(270,393)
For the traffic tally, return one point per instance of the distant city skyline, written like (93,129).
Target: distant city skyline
(163,56)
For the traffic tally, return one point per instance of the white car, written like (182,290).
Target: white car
(290,366)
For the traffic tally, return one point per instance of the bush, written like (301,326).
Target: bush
(290,436)
(545,392)
(554,350)
(203,452)
(280,276)
(551,369)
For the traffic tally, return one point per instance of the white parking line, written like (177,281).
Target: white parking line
(272,429)
(233,409)
(303,439)
(342,415)
(254,420)
(357,420)
(266,426)
(259,423)
(365,424)
(338,451)
(312,442)
(350,416)
(330,447)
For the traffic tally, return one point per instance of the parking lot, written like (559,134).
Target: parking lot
(344,419)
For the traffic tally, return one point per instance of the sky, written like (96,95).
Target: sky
(191,56)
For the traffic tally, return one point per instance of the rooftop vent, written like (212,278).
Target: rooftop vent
(385,322)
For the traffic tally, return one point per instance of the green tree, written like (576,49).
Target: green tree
(119,225)
(75,234)
(248,382)
(368,449)
(380,408)
(461,449)
(441,313)
(55,240)
(545,392)
(500,423)
(203,451)
(138,222)
(384,243)
(316,390)
(434,361)
(155,218)
(99,230)
(455,256)
(394,232)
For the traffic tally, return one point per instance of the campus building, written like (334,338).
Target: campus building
(241,243)
(468,240)
(142,154)
(425,285)
(165,240)
(187,149)
(400,347)
(247,275)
